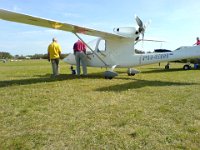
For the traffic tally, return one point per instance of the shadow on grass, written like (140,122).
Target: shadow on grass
(159,70)
(46,78)
(136,84)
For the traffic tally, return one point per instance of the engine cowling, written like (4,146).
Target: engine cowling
(130,32)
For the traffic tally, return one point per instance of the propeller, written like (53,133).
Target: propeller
(142,27)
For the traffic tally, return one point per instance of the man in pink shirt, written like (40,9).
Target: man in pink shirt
(197,42)
(80,56)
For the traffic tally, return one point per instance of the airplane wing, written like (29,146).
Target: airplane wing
(37,21)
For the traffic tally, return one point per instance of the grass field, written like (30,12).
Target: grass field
(157,109)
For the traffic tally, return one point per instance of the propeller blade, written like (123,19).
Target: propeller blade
(139,21)
(141,28)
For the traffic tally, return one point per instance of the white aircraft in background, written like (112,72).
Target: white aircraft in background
(111,50)
(3,60)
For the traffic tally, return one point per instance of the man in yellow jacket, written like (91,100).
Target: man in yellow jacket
(54,52)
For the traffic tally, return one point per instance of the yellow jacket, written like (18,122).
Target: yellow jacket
(54,50)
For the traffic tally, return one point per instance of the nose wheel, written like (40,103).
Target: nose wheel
(132,72)
(167,66)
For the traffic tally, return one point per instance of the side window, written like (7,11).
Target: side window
(92,44)
(102,46)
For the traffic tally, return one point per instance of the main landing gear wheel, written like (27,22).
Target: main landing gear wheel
(110,74)
(187,67)
(108,77)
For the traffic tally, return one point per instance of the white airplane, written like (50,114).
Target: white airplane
(111,50)
(3,60)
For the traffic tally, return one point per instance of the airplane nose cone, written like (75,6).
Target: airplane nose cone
(70,59)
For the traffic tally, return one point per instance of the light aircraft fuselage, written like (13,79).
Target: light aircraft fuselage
(111,50)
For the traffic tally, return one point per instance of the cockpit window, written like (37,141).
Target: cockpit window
(98,44)
(92,45)
(182,47)
(102,45)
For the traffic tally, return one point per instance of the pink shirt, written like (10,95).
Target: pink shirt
(79,46)
(198,42)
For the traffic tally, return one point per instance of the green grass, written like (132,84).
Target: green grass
(157,109)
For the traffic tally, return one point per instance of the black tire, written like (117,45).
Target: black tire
(131,74)
(106,77)
(186,67)
(167,67)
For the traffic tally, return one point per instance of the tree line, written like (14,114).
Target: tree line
(6,55)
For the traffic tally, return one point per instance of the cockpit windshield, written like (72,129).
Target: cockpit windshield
(182,47)
(92,45)
(96,45)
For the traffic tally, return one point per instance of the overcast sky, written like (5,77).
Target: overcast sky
(176,22)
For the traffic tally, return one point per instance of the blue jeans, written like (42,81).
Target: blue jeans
(81,59)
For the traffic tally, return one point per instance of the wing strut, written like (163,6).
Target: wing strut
(91,49)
